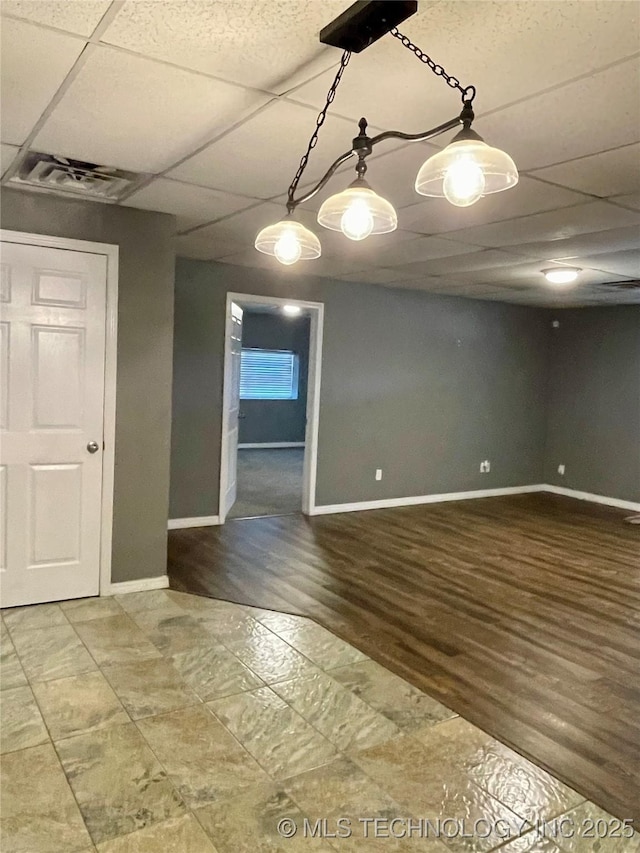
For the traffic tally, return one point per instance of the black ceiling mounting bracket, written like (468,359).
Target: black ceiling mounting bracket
(365,22)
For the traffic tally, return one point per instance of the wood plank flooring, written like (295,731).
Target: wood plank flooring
(522,614)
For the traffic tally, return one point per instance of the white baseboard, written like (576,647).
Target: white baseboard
(587,496)
(142,585)
(425,499)
(270,445)
(199,521)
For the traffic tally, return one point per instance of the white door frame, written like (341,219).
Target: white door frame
(316,313)
(111,353)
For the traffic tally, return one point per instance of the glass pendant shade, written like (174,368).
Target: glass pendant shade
(466,170)
(358,212)
(288,241)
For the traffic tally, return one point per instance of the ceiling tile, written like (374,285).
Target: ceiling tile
(192,205)
(437,216)
(619,263)
(431,284)
(551,225)
(521,294)
(486,259)
(320,267)
(269,45)
(628,200)
(328,267)
(612,240)
(258,260)
(405,96)
(393,175)
(230,236)
(604,174)
(525,275)
(597,113)
(125,111)
(504,49)
(81,16)
(422,249)
(34,64)
(374,251)
(7,156)
(376,276)
(260,157)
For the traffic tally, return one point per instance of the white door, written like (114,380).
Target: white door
(52,321)
(231,407)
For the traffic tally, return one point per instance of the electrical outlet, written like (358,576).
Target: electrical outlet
(378,473)
(561,470)
(485,467)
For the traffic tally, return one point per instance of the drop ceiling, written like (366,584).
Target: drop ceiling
(213,103)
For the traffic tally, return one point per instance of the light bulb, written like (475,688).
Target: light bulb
(463,182)
(357,221)
(288,249)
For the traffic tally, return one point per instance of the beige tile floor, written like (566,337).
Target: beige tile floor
(159,722)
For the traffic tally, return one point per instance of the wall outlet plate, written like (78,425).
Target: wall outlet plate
(378,473)
(561,470)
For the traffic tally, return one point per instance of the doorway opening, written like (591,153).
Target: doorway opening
(271,399)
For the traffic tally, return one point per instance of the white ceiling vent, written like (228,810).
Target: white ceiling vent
(63,175)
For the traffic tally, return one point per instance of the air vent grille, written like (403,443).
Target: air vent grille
(63,175)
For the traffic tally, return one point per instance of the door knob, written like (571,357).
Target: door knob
(93,447)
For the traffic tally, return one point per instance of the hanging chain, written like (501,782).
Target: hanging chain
(346,56)
(468,93)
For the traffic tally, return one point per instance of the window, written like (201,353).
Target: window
(268,374)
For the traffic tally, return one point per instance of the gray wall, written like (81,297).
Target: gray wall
(145,338)
(424,387)
(594,401)
(276,420)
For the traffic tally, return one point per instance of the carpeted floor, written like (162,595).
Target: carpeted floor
(269,482)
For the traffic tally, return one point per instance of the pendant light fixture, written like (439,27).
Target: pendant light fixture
(358,211)
(463,172)
(466,170)
(289,241)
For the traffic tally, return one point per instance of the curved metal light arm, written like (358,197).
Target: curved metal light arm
(292,202)
(417,137)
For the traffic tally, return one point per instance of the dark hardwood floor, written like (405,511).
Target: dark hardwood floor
(522,614)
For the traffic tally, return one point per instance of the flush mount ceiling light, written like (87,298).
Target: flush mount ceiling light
(561,275)
(463,172)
